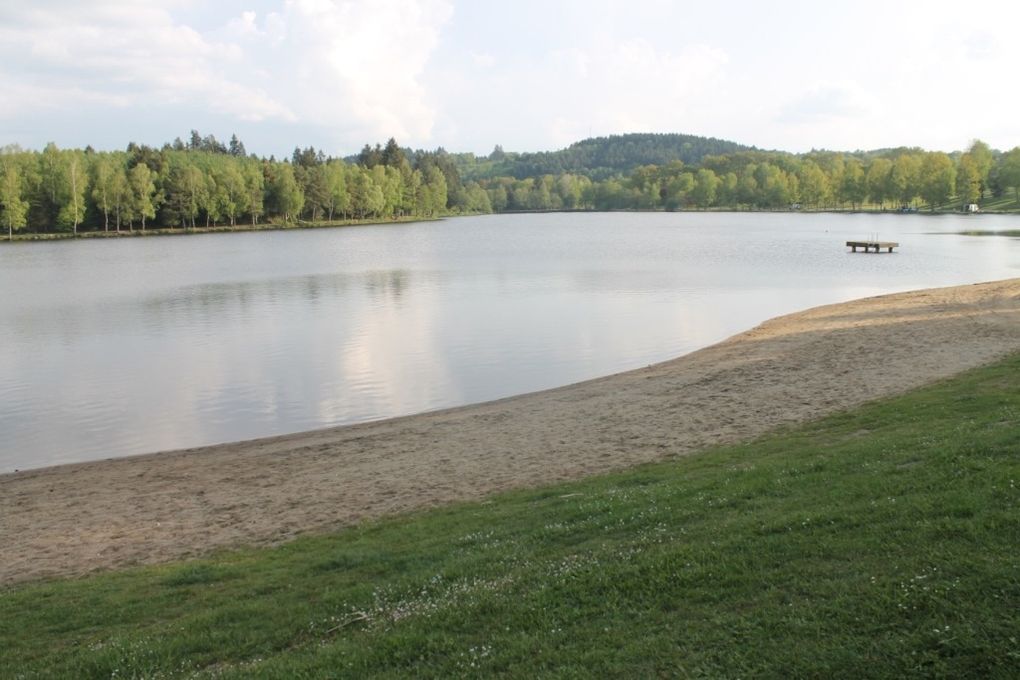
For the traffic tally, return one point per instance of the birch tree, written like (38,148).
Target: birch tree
(72,208)
(102,187)
(13,206)
(142,193)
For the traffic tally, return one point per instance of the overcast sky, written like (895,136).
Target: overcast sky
(527,74)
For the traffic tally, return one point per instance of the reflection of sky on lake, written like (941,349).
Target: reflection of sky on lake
(139,345)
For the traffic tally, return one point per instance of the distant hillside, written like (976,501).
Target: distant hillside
(598,158)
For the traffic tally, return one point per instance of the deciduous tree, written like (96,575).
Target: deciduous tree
(937,179)
(102,186)
(13,206)
(903,178)
(877,181)
(75,189)
(1009,171)
(968,180)
(142,192)
(286,196)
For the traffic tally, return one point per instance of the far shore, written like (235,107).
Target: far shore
(73,519)
(324,224)
(137,231)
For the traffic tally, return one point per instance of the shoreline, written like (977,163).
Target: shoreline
(213,229)
(72,519)
(336,224)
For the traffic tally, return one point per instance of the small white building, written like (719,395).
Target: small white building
(972,207)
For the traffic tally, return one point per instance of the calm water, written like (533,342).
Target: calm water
(138,345)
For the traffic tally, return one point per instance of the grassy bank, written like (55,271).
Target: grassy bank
(1005,203)
(879,543)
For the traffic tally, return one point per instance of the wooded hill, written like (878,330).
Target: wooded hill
(596,158)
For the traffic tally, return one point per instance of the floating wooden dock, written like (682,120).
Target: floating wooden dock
(868,245)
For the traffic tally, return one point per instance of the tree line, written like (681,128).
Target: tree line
(203,183)
(760,180)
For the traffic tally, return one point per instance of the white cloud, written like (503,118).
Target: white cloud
(350,66)
(483,60)
(122,54)
(244,25)
(356,64)
(528,75)
(981,45)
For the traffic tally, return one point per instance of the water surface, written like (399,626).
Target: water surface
(112,348)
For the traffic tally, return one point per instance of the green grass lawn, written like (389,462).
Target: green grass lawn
(1005,202)
(884,542)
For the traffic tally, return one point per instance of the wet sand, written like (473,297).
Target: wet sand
(74,519)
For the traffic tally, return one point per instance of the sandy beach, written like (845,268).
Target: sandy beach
(74,519)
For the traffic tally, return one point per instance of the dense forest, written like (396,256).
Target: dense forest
(899,179)
(597,158)
(204,183)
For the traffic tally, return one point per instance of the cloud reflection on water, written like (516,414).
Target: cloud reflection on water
(277,333)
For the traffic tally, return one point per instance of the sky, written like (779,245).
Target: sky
(529,75)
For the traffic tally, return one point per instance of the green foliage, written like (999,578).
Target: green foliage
(205,180)
(337,198)
(13,207)
(878,543)
(185,189)
(74,189)
(705,188)
(877,181)
(112,191)
(853,188)
(597,158)
(680,189)
(180,184)
(236,147)
(1009,173)
(937,179)
(254,188)
(285,196)
(102,186)
(63,186)
(904,179)
(984,160)
(433,193)
(392,155)
(968,179)
(143,191)
(231,192)
(314,187)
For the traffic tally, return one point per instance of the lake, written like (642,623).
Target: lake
(127,346)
